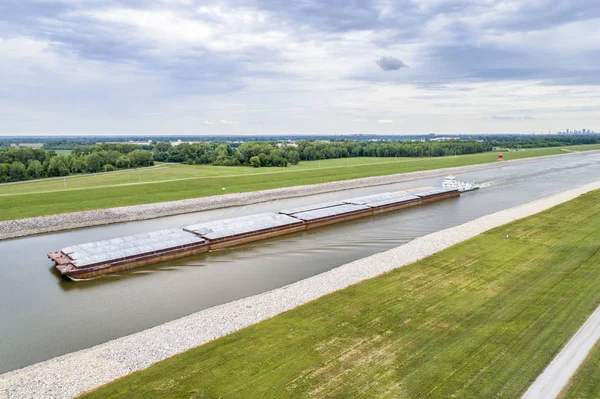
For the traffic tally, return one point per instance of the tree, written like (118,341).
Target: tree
(141,158)
(223,150)
(123,162)
(112,157)
(58,167)
(4,172)
(108,168)
(162,146)
(255,162)
(35,170)
(18,171)
(265,160)
(77,166)
(292,155)
(94,163)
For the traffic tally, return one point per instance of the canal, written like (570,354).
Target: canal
(43,316)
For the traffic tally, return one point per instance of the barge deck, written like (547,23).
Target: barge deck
(109,256)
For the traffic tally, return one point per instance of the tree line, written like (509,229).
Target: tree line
(539,141)
(17,164)
(268,154)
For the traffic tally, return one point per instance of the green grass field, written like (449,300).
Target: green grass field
(479,320)
(586,382)
(175,181)
(171,172)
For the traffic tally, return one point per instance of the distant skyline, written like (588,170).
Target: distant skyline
(108,67)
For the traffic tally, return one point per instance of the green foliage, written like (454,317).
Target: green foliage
(4,172)
(60,165)
(273,154)
(18,171)
(35,170)
(78,165)
(123,162)
(139,158)
(91,159)
(255,162)
(66,143)
(23,155)
(94,162)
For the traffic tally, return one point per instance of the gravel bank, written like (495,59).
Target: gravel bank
(69,375)
(45,224)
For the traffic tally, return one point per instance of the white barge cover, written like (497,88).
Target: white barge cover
(397,199)
(242,225)
(433,191)
(370,198)
(311,207)
(104,251)
(328,212)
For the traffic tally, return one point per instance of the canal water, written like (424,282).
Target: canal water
(43,316)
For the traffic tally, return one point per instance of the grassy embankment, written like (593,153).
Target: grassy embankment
(174,182)
(586,382)
(479,320)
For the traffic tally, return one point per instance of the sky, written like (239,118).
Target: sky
(302,66)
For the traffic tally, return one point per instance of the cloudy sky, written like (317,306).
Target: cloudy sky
(303,66)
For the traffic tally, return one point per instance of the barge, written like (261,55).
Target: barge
(90,260)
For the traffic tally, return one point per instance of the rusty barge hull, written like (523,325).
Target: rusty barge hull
(440,197)
(311,224)
(119,265)
(95,259)
(227,242)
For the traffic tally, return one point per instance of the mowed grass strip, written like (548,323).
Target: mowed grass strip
(586,381)
(197,181)
(172,171)
(481,319)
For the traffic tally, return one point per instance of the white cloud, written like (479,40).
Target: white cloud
(134,70)
(511,117)
(213,28)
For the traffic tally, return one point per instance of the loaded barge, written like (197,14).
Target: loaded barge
(90,260)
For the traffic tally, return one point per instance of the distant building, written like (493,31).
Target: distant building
(579,132)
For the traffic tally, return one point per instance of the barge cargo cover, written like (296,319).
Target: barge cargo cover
(229,232)
(334,214)
(311,207)
(93,259)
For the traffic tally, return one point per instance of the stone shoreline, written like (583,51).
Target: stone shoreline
(68,221)
(72,374)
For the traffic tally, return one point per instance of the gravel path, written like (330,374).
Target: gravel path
(45,224)
(69,375)
(555,377)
